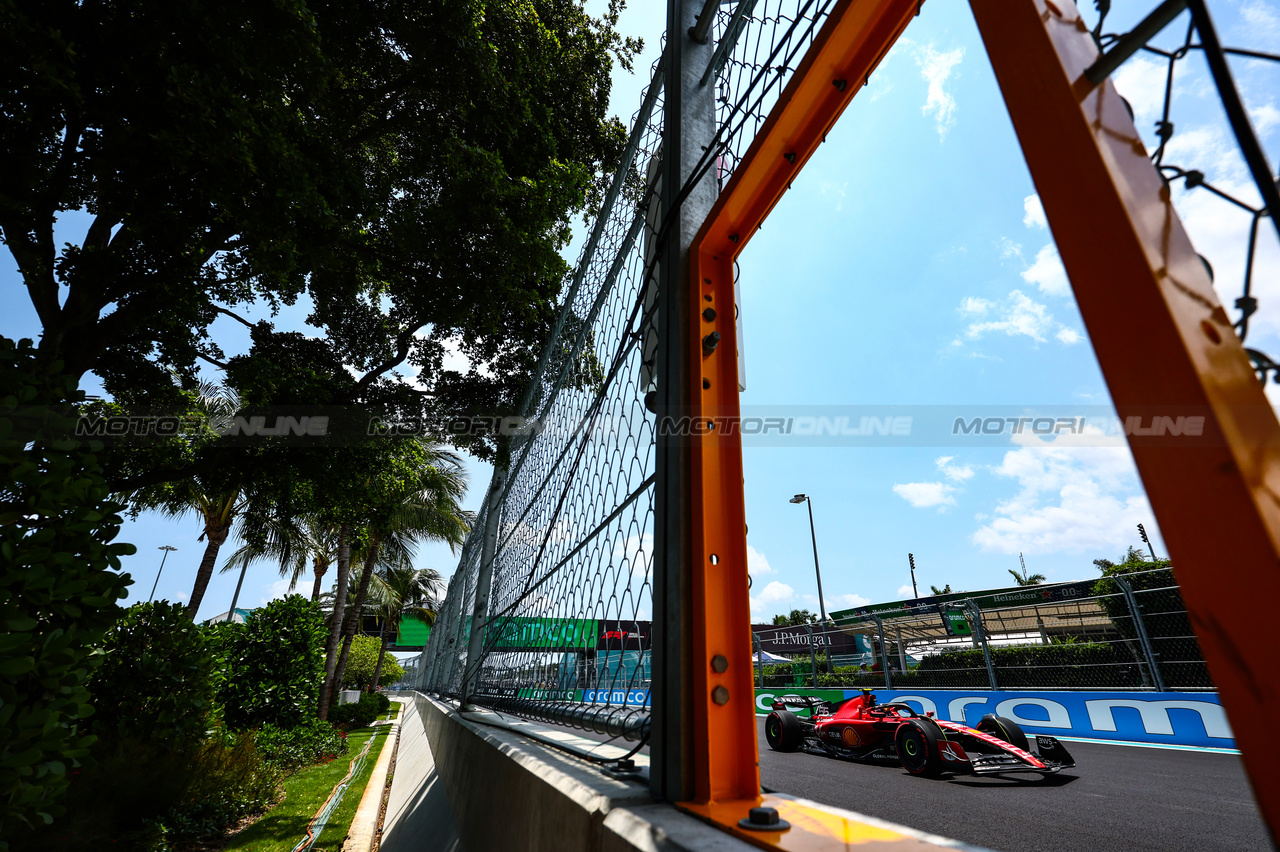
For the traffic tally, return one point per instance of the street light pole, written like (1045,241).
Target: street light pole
(167,550)
(1142,531)
(822,607)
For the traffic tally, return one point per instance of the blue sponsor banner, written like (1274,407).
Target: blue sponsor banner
(619,697)
(1164,718)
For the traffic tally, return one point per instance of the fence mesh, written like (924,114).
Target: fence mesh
(569,629)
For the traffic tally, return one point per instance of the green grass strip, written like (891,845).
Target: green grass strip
(280,829)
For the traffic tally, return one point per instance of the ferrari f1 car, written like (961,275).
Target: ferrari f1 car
(861,729)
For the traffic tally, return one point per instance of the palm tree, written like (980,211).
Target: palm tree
(217,500)
(1024,578)
(296,545)
(402,590)
(429,511)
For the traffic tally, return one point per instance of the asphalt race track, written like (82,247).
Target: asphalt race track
(1118,798)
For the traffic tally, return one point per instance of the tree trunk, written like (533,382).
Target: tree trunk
(214,535)
(382,653)
(335,628)
(320,568)
(356,612)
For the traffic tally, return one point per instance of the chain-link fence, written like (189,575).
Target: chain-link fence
(559,566)
(1123,632)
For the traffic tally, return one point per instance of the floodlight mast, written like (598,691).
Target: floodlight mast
(822,607)
(167,550)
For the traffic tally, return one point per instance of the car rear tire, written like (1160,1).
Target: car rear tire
(918,750)
(783,730)
(1004,729)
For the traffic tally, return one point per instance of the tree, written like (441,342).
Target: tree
(945,590)
(408,168)
(403,590)
(1026,578)
(296,544)
(797,618)
(426,510)
(364,661)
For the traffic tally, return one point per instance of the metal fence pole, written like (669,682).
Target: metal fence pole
(975,617)
(1141,630)
(688,126)
(484,583)
(759,657)
(813,656)
(884,654)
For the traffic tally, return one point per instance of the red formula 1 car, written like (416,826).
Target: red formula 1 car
(861,729)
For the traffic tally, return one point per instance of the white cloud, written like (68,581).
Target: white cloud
(1260,15)
(1046,272)
(953,472)
(847,601)
(770,597)
(276,590)
(923,495)
(757,564)
(906,592)
(1070,499)
(1141,82)
(1069,336)
(1265,118)
(1008,248)
(974,305)
(1017,315)
(1033,213)
(936,68)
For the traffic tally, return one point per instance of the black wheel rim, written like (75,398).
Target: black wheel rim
(912,751)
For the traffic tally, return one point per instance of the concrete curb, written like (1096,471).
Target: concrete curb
(364,827)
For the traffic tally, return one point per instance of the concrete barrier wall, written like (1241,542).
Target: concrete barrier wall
(508,794)
(1186,719)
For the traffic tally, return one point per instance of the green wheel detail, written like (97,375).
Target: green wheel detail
(783,731)
(917,747)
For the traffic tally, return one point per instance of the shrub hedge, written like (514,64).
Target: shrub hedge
(58,589)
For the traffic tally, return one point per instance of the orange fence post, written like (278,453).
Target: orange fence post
(1133,269)
(854,39)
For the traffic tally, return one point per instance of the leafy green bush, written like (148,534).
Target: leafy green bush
(359,714)
(292,748)
(157,679)
(226,784)
(381,703)
(58,589)
(274,665)
(142,795)
(362,661)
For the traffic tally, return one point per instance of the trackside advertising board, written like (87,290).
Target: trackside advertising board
(1164,718)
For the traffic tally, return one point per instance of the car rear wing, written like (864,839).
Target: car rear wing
(808,702)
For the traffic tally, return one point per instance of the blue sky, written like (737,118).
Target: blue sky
(909,265)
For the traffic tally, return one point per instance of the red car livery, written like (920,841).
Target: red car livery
(861,729)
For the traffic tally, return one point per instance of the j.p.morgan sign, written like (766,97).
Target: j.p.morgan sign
(1167,718)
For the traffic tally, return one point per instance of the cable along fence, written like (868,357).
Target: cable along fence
(1125,632)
